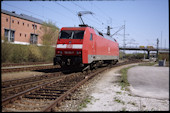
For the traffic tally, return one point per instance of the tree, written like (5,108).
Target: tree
(50,33)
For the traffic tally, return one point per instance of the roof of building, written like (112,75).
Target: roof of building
(22,16)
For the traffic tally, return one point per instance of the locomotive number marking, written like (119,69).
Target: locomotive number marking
(74,46)
(69,45)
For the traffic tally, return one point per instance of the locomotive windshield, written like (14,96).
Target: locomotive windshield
(69,34)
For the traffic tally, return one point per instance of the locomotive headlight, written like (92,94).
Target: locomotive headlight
(59,52)
(78,52)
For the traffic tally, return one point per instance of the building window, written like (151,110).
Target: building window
(20,34)
(12,36)
(25,35)
(33,39)
(23,23)
(6,19)
(9,35)
(27,25)
(34,26)
(12,21)
(18,22)
(6,33)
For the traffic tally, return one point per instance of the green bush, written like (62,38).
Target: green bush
(135,56)
(48,52)
(19,53)
(15,53)
(34,54)
(162,56)
(6,52)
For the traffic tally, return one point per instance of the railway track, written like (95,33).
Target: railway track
(12,87)
(48,91)
(22,64)
(45,97)
(17,69)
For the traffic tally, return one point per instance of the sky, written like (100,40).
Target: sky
(144,20)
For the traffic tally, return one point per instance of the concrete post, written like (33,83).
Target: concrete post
(148,54)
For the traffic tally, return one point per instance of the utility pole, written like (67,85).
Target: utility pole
(108,30)
(9,35)
(157,48)
(161,39)
(124,45)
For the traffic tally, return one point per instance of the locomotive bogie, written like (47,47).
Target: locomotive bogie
(66,61)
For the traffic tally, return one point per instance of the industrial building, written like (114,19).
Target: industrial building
(20,28)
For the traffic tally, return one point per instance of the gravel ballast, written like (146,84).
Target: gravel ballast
(104,93)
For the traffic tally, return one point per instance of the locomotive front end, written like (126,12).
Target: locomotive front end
(68,52)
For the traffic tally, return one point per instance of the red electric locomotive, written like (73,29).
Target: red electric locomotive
(85,47)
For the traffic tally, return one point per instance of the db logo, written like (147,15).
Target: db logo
(69,46)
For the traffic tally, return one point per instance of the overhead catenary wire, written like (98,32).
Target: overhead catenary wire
(33,13)
(99,22)
(122,27)
(102,15)
(79,6)
(66,8)
(74,13)
(101,12)
(106,15)
(69,10)
(92,15)
(56,12)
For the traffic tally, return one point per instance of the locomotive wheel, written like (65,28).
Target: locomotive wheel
(95,67)
(88,71)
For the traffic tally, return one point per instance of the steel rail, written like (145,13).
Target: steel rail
(16,96)
(9,83)
(27,68)
(65,94)
(61,98)
(27,85)
(23,64)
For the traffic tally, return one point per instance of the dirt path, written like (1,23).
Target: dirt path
(107,95)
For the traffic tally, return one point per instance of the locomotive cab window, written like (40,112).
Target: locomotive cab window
(91,36)
(69,34)
(78,34)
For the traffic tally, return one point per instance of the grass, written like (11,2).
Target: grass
(124,82)
(118,100)
(85,102)
(124,109)
(153,63)
(148,64)
(119,92)
(132,103)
